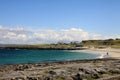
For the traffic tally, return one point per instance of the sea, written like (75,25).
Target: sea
(21,56)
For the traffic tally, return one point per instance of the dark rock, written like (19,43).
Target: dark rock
(100,71)
(52,72)
(87,72)
(47,78)
(81,69)
(95,76)
(77,77)
(32,78)
(84,70)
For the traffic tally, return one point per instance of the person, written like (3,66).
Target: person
(107,53)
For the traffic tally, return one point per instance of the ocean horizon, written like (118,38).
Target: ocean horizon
(36,56)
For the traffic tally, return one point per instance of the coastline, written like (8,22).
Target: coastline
(89,69)
(114,53)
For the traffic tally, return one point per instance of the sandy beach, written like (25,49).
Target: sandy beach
(115,53)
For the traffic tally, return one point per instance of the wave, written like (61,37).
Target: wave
(103,56)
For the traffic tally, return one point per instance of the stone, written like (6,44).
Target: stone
(95,76)
(52,72)
(32,78)
(18,78)
(77,77)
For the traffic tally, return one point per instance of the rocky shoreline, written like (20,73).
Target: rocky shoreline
(96,69)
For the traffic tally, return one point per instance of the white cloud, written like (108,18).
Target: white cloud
(20,35)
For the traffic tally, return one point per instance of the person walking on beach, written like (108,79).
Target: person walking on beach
(107,53)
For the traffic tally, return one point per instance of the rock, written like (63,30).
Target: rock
(114,71)
(52,72)
(87,72)
(47,78)
(32,78)
(37,65)
(62,71)
(82,74)
(18,78)
(95,76)
(77,77)
(100,71)
(21,67)
(68,78)
(81,69)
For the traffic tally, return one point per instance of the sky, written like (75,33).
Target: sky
(50,21)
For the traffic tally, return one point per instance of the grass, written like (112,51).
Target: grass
(42,46)
(59,78)
(1,74)
(116,46)
(102,43)
(108,72)
(89,79)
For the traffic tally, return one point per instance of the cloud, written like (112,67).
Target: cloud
(13,35)
(20,35)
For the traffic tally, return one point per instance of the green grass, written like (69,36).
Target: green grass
(89,79)
(102,43)
(59,78)
(1,74)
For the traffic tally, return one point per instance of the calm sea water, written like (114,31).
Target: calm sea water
(35,56)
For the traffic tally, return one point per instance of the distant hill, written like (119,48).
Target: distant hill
(114,43)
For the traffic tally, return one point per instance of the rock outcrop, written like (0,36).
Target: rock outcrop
(98,69)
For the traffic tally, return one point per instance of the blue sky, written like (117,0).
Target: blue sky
(93,16)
